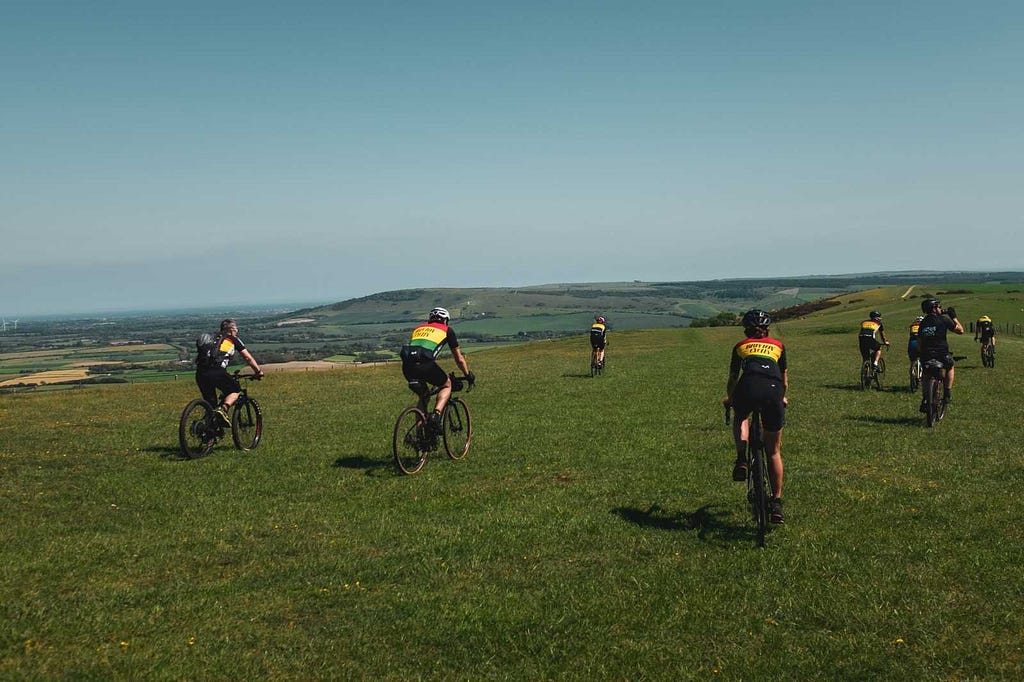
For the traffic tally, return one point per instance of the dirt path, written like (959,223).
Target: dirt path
(907,292)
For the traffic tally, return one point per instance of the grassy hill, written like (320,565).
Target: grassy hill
(593,531)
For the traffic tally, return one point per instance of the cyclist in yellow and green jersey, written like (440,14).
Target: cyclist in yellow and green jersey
(871,330)
(419,358)
(762,386)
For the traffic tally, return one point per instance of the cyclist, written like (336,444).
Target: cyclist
(419,359)
(212,369)
(987,331)
(932,337)
(598,340)
(912,351)
(871,330)
(763,385)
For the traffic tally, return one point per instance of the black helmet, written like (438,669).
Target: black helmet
(929,303)
(756,318)
(875,315)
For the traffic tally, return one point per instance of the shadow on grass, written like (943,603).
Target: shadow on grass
(709,524)
(575,376)
(846,387)
(371,465)
(166,452)
(897,421)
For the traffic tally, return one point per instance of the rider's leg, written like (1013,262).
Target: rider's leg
(442,396)
(773,448)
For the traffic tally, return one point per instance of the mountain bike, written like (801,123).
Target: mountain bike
(869,374)
(759,484)
(199,429)
(595,367)
(915,375)
(414,437)
(988,355)
(934,394)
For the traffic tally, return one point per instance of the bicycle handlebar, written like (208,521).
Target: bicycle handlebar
(251,377)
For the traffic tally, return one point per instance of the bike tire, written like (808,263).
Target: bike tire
(865,375)
(457,428)
(915,376)
(411,441)
(762,498)
(876,376)
(196,433)
(931,397)
(246,424)
(942,396)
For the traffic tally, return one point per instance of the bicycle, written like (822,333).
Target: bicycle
(988,355)
(759,484)
(915,375)
(413,436)
(596,368)
(199,430)
(870,374)
(934,393)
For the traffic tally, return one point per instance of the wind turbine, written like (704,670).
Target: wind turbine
(15,325)
(5,324)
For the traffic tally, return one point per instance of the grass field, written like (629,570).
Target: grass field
(593,532)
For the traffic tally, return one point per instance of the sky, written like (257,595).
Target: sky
(163,155)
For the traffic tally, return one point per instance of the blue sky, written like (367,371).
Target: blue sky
(166,154)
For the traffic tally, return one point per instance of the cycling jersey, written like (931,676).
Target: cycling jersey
(598,334)
(986,330)
(765,356)
(931,336)
(870,329)
(428,340)
(214,376)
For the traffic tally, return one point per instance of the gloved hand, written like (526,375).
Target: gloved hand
(951,311)
(471,378)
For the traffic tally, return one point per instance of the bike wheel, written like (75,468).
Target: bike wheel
(942,400)
(876,375)
(761,489)
(931,400)
(458,429)
(196,431)
(411,440)
(865,375)
(915,376)
(246,424)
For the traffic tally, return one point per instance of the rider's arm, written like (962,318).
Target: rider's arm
(251,361)
(460,360)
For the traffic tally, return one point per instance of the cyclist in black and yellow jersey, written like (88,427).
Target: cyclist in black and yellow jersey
(871,330)
(212,369)
(419,358)
(912,350)
(986,331)
(598,340)
(762,385)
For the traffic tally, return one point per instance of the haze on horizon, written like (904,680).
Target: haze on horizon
(195,154)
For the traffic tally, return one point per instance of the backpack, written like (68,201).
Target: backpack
(207,350)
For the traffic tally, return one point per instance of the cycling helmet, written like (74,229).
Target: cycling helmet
(929,303)
(984,318)
(599,319)
(756,318)
(439,315)
(919,318)
(875,315)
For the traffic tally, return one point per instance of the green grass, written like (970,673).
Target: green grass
(593,532)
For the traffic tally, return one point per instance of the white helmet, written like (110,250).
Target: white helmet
(439,315)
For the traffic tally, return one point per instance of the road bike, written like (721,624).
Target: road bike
(759,484)
(934,394)
(199,429)
(988,354)
(415,437)
(870,374)
(915,375)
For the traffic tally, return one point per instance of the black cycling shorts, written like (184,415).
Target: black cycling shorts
(945,358)
(428,371)
(868,346)
(761,392)
(210,381)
